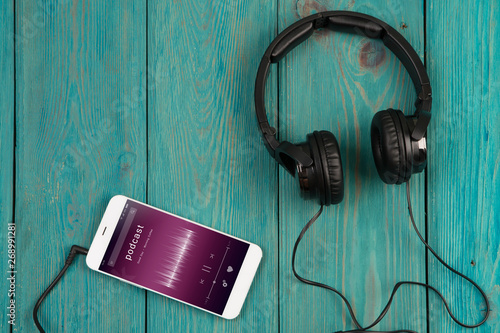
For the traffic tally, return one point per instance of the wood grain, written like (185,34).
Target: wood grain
(464,179)
(6,150)
(78,63)
(154,100)
(206,160)
(363,246)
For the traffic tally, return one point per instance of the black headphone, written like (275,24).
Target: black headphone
(398,141)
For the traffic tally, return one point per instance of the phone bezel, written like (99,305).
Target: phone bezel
(105,232)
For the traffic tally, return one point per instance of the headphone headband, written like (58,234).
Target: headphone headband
(343,21)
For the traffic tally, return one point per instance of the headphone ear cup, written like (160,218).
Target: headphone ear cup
(388,147)
(331,162)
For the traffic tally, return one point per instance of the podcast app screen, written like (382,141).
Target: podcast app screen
(174,257)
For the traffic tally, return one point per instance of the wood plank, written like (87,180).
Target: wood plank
(365,245)
(79,143)
(464,179)
(7,158)
(206,160)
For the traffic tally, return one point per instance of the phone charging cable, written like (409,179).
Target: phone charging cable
(75,249)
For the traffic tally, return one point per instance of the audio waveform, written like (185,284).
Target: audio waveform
(178,248)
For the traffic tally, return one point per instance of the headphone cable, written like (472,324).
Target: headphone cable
(75,249)
(396,287)
(80,250)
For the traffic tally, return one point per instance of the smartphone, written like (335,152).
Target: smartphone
(174,257)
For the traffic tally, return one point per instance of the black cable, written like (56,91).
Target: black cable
(396,287)
(75,249)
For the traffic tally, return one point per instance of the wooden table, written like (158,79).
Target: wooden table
(154,100)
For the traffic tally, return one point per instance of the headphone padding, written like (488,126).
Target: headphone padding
(405,135)
(334,176)
(386,147)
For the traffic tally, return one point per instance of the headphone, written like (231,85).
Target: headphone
(398,141)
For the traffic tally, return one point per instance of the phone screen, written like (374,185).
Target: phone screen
(174,257)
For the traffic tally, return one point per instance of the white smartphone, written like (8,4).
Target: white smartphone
(174,257)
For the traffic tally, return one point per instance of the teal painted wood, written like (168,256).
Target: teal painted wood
(81,122)
(80,141)
(464,142)
(6,152)
(206,160)
(365,245)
